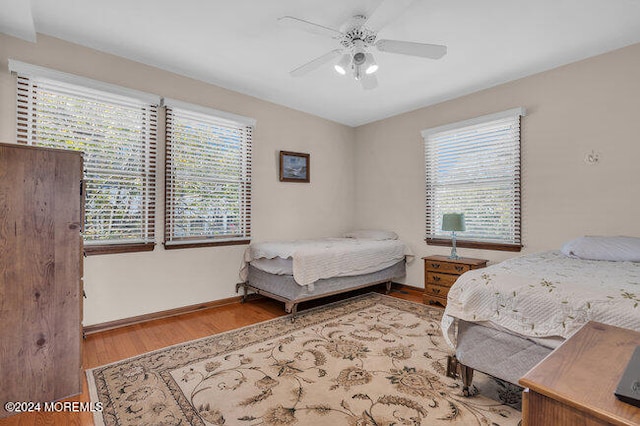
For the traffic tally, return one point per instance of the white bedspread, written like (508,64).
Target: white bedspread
(547,294)
(328,257)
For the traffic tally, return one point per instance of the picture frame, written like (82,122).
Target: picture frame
(294,167)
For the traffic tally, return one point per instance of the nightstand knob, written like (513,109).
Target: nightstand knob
(435,265)
(436,278)
(459,268)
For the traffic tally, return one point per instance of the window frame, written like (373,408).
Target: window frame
(29,76)
(430,221)
(211,117)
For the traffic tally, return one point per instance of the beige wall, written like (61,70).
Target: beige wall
(121,286)
(589,105)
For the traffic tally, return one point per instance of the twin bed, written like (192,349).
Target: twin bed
(504,319)
(297,271)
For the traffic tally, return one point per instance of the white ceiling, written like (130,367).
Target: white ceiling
(239,45)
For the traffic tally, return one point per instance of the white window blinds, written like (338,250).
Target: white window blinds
(116,133)
(208,176)
(473,167)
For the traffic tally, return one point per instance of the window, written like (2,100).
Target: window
(208,177)
(115,128)
(473,167)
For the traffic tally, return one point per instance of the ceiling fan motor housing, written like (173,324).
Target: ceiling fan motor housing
(355,32)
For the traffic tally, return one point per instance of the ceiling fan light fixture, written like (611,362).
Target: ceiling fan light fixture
(359,58)
(371,64)
(343,64)
(359,64)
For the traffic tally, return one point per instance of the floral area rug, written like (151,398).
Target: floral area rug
(370,360)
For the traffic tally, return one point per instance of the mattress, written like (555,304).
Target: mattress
(279,266)
(275,266)
(546,294)
(551,342)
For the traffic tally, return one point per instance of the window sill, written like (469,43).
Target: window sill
(118,248)
(187,244)
(474,244)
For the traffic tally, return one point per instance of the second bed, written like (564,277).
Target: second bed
(302,270)
(504,319)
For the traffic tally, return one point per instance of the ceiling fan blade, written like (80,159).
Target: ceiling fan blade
(310,27)
(369,81)
(388,11)
(312,65)
(424,50)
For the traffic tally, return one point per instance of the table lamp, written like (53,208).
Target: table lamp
(453,222)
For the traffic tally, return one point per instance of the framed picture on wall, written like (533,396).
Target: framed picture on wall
(294,167)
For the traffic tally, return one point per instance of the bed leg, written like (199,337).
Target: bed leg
(244,287)
(291,308)
(452,367)
(467,378)
(388,287)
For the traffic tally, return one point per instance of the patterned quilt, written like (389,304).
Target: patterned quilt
(547,294)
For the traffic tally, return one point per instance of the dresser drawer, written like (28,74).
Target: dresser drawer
(445,280)
(446,267)
(436,291)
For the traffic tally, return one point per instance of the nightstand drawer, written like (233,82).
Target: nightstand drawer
(446,267)
(441,279)
(436,291)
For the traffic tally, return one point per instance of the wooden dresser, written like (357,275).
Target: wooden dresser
(440,272)
(41,215)
(574,385)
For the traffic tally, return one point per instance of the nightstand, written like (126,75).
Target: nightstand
(440,272)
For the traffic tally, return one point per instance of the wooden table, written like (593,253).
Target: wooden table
(574,385)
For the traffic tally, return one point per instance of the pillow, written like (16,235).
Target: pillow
(372,234)
(619,249)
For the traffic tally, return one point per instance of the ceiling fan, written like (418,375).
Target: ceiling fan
(357,37)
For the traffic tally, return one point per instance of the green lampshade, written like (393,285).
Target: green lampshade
(453,222)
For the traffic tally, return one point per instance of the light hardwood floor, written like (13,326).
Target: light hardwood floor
(114,345)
